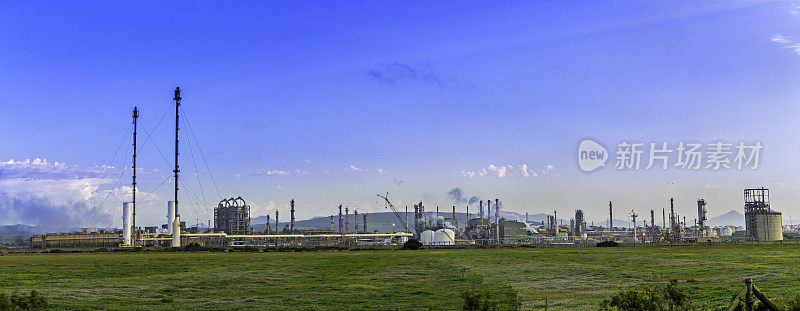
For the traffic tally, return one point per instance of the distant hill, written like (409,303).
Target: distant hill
(732,218)
(383,221)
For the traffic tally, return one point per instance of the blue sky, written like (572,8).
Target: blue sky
(343,100)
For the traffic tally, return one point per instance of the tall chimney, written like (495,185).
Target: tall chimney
(416,218)
(454,216)
(497,218)
(291,224)
(355,220)
(333,228)
(268,226)
(672,219)
(610,217)
(341,221)
(347,219)
(489,211)
(365,222)
(277,228)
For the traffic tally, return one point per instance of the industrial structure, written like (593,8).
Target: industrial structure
(761,222)
(232,216)
(232,224)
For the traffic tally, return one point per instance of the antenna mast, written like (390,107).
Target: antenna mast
(177,107)
(135,117)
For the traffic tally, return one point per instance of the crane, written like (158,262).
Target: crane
(394,210)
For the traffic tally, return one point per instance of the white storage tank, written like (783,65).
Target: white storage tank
(176,232)
(444,237)
(426,237)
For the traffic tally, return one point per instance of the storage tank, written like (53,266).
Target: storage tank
(448,237)
(426,237)
(127,215)
(170,215)
(769,227)
(444,237)
(176,232)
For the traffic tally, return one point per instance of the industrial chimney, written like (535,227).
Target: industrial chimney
(291,224)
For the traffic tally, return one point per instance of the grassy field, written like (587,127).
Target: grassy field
(570,278)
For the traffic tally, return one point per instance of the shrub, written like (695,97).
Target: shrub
(31,302)
(412,244)
(607,244)
(476,301)
(656,298)
(794,304)
(193,247)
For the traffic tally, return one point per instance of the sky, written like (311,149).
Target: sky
(334,102)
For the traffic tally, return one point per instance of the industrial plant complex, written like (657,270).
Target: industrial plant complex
(483,225)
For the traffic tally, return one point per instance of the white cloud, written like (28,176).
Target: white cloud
(353,168)
(55,194)
(787,42)
(503,171)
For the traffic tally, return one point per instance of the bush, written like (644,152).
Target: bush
(31,302)
(794,304)
(656,298)
(476,301)
(412,244)
(193,247)
(607,244)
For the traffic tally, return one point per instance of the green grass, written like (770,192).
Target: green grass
(570,278)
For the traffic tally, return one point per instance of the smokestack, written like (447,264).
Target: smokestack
(341,223)
(291,224)
(170,215)
(127,215)
(365,222)
(333,228)
(355,220)
(663,219)
(416,218)
(268,226)
(672,219)
(652,220)
(610,216)
(454,217)
(347,219)
(497,218)
(277,229)
(489,211)
(481,210)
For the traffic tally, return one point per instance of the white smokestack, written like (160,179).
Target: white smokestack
(127,216)
(170,215)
